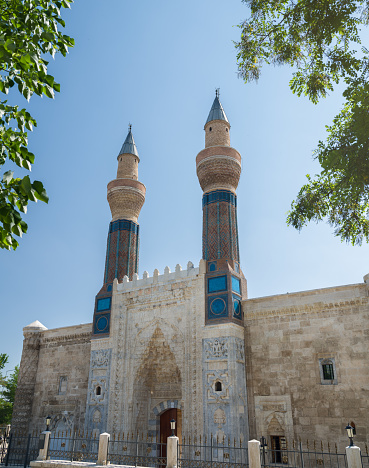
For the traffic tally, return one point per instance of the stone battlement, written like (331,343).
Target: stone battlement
(168,276)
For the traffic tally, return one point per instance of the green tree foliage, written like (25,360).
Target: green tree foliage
(7,392)
(321,40)
(28,34)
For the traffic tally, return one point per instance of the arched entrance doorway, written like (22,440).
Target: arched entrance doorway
(165,430)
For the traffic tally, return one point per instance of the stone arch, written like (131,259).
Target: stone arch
(275,425)
(157,381)
(172,333)
(62,423)
(158,410)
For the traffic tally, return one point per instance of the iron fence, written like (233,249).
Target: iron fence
(18,449)
(295,455)
(212,452)
(137,450)
(74,446)
(365,457)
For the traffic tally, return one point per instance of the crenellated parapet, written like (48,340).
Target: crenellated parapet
(167,277)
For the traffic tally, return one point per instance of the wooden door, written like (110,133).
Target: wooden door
(276,449)
(165,430)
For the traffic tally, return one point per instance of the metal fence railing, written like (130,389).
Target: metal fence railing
(212,452)
(365,457)
(298,456)
(18,449)
(74,446)
(137,450)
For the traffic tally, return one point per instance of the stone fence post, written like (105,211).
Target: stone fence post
(254,454)
(172,452)
(43,445)
(353,456)
(102,457)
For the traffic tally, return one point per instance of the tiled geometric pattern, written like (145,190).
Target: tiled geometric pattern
(217,196)
(217,306)
(220,236)
(101,323)
(122,250)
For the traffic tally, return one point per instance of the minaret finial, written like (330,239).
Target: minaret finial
(217,92)
(129,127)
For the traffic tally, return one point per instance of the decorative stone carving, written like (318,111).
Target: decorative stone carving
(275,427)
(96,418)
(62,422)
(97,391)
(219,417)
(100,358)
(240,350)
(211,380)
(216,348)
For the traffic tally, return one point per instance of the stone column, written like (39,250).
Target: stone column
(254,454)
(102,458)
(45,449)
(172,452)
(353,457)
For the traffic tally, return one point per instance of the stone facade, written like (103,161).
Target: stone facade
(288,337)
(54,375)
(161,355)
(190,341)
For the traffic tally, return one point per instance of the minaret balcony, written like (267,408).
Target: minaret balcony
(218,167)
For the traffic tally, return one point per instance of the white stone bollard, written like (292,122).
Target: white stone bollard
(102,457)
(254,454)
(353,457)
(172,452)
(45,438)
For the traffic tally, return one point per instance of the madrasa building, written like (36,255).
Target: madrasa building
(188,344)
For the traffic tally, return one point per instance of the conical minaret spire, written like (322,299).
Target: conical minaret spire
(126,196)
(216,111)
(218,169)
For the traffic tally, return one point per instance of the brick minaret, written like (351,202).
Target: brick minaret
(126,196)
(218,169)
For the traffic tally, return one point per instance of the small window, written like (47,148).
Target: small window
(226,129)
(109,288)
(328,372)
(98,390)
(63,382)
(218,386)
(213,266)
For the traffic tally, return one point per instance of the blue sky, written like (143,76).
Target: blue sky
(156,65)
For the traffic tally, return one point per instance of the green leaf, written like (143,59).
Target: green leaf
(40,191)
(7,177)
(29,30)
(26,186)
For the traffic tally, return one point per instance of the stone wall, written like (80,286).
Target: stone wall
(62,374)
(155,337)
(24,397)
(288,338)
